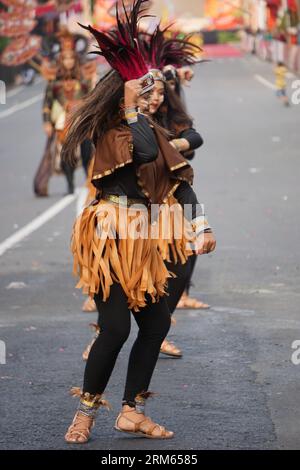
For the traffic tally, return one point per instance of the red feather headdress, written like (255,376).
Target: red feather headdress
(120,47)
(160,50)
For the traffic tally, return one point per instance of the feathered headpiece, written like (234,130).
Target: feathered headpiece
(120,47)
(160,50)
(66,39)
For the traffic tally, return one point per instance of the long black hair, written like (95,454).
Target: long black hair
(172,114)
(98,112)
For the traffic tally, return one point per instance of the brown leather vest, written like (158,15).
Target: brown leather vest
(158,179)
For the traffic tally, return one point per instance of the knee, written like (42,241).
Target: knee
(118,334)
(160,331)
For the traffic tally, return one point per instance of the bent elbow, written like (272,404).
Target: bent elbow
(199,142)
(153,156)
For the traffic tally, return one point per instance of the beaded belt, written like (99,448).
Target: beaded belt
(121,200)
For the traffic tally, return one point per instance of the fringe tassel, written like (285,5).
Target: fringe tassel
(176,250)
(145,395)
(95,327)
(93,400)
(134,263)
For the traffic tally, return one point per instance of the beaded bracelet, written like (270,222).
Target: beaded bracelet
(131,115)
(131,119)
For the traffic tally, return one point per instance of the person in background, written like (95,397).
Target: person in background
(281,83)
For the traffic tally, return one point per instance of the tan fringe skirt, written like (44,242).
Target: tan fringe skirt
(102,256)
(176,235)
(111,243)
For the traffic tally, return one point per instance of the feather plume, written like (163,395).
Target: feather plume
(120,47)
(160,50)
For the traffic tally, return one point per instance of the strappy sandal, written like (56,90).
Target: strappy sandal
(86,352)
(80,429)
(89,305)
(82,424)
(187,302)
(145,428)
(169,348)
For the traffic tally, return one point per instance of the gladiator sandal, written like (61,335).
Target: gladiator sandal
(87,350)
(169,349)
(132,420)
(84,419)
(89,305)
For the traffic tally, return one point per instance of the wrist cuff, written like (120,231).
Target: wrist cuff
(200,225)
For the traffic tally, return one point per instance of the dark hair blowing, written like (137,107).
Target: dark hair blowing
(98,113)
(172,114)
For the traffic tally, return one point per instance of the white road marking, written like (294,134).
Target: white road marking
(265,82)
(19,106)
(38,221)
(14,91)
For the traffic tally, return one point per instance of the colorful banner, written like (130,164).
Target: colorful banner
(104,14)
(20,50)
(18,22)
(57,6)
(292,5)
(20,3)
(224,15)
(187,15)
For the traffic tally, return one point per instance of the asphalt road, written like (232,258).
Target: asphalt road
(236,386)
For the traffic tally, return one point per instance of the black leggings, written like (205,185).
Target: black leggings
(176,286)
(153,322)
(192,261)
